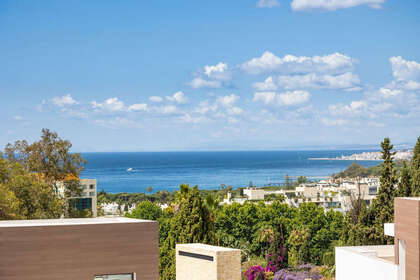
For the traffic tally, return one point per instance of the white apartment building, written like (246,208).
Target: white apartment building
(254,193)
(88,199)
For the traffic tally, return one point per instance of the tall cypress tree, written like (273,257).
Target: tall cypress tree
(415,170)
(383,205)
(404,186)
(191,224)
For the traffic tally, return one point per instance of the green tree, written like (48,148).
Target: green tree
(383,204)
(190,224)
(37,199)
(9,204)
(404,185)
(50,156)
(415,170)
(146,210)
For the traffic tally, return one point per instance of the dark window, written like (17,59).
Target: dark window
(81,203)
(91,187)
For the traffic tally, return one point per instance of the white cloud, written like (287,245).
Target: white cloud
(266,97)
(404,69)
(18,118)
(386,92)
(187,118)
(332,5)
(288,98)
(334,122)
(228,100)
(267,3)
(347,81)
(333,64)
(155,99)
(111,104)
(293,97)
(219,71)
(138,107)
(166,110)
(235,111)
(178,97)
(202,83)
(61,101)
(205,107)
(354,108)
(267,85)
(117,122)
(212,76)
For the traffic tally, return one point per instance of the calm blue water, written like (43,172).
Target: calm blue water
(208,170)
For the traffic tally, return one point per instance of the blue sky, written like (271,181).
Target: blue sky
(210,75)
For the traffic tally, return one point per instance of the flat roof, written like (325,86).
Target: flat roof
(69,222)
(410,198)
(204,247)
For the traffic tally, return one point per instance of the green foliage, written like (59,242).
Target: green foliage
(415,170)
(383,205)
(146,210)
(190,224)
(28,177)
(9,204)
(404,185)
(50,156)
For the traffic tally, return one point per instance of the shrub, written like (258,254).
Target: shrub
(256,272)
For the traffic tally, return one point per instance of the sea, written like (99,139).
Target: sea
(134,172)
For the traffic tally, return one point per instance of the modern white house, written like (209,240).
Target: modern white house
(389,262)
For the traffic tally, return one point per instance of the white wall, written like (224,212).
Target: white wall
(353,265)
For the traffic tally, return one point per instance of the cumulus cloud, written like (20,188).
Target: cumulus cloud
(289,64)
(111,104)
(65,100)
(155,99)
(178,97)
(205,107)
(187,118)
(288,98)
(332,5)
(202,83)
(212,76)
(219,71)
(138,107)
(267,85)
(268,3)
(166,110)
(228,100)
(404,69)
(346,81)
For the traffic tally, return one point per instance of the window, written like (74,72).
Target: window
(129,276)
(91,187)
(84,187)
(373,190)
(92,194)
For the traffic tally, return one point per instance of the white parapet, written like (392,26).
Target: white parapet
(365,263)
(205,262)
(389,229)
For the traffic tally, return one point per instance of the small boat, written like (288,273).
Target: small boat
(129,169)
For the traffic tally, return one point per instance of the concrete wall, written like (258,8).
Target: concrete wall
(407,228)
(66,252)
(205,262)
(363,264)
